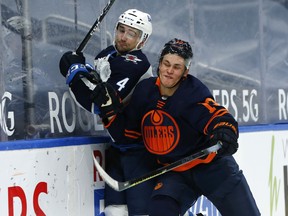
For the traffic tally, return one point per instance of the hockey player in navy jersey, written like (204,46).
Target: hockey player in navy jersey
(120,66)
(175,115)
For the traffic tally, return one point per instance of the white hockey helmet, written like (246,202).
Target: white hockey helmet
(138,20)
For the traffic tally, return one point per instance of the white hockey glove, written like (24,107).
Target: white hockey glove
(102,66)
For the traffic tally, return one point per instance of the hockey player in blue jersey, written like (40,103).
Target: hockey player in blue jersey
(121,66)
(175,115)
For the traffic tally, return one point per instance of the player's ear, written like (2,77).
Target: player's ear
(141,45)
(185,73)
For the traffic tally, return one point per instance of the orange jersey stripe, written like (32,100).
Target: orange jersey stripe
(110,121)
(132,134)
(194,163)
(220,112)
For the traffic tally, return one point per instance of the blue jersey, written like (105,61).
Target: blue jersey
(171,127)
(126,71)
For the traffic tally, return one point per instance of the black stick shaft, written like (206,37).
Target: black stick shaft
(165,169)
(94,27)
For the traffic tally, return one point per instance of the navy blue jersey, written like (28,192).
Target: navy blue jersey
(126,71)
(166,123)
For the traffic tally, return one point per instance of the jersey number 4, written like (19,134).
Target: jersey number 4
(122,83)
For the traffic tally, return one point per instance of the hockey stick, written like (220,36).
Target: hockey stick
(120,186)
(94,27)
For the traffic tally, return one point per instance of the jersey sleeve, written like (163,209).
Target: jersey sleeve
(81,92)
(125,128)
(211,115)
(204,113)
(126,72)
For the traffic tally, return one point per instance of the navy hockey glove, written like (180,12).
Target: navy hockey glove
(107,100)
(228,138)
(74,65)
(68,59)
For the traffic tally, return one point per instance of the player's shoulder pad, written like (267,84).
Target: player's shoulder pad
(194,89)
(147,82)
(108,50)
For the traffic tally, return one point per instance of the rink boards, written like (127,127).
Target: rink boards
(57,176)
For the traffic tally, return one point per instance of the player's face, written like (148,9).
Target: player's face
(171,71)
(126,38)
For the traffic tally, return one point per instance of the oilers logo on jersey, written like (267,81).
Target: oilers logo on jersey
(160,132)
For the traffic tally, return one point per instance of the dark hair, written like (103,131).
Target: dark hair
(179,47)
